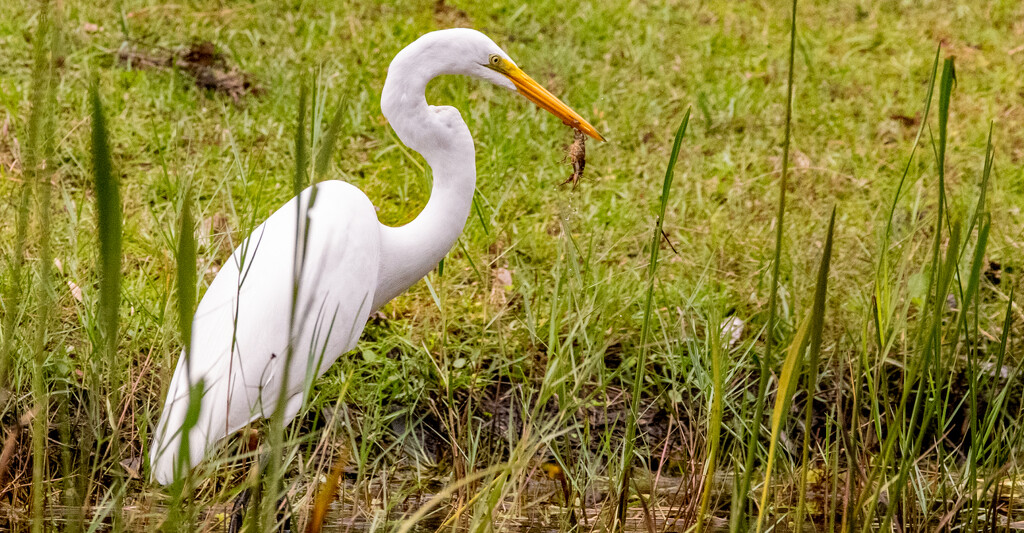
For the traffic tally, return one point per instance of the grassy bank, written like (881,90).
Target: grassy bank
(521,362)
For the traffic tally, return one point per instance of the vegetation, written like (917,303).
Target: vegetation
(782,296)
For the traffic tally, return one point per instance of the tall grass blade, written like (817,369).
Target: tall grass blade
(787,386)
(641,360)
(108,224)
(946,85)
(817,326)
(300,178)
(973,370)
(186,260)
(740,507)
(715,420)
(181,489)
(980,209)
(39,171)
(274,468)
(326,148)
(13,292)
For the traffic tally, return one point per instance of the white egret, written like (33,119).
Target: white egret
(353,264)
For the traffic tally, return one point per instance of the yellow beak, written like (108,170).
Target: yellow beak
(542,97)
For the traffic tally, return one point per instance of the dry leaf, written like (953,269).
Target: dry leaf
(501,282)
(133,466)
(76,291)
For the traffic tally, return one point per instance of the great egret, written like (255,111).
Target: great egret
(352,263)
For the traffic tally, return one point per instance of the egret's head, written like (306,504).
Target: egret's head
(505,68)
(473,53)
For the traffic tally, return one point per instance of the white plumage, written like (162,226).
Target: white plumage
(352,263)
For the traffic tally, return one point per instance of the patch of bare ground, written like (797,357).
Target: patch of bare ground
(207,67)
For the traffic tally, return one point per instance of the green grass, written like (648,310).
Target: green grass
(927,195)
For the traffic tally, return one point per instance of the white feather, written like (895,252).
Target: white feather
(241,367)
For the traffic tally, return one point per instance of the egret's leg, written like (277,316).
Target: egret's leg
(240,506)
(238,509)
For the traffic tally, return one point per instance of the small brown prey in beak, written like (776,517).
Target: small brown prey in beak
(528,87)
(576,153)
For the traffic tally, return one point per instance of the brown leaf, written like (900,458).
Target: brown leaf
(76,291)
(327,492)
(501,282)
(133,466)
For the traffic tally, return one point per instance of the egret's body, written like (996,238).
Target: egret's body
(244,325)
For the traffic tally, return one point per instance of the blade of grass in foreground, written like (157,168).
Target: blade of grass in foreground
(641,361)
(738,513)
(326,148)
(39,166)
(179,514)
(273,475)
(108,223)
(715,420)
(186,271)
(787,386)
(13,293)
(818,322)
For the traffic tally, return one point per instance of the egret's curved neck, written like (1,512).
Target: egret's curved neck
(440,135)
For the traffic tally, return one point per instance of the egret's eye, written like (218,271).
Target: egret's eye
(495,60)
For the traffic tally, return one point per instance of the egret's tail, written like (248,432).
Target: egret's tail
(166,447)
(204,408)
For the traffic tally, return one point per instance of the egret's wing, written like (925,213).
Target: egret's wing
(242,326)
